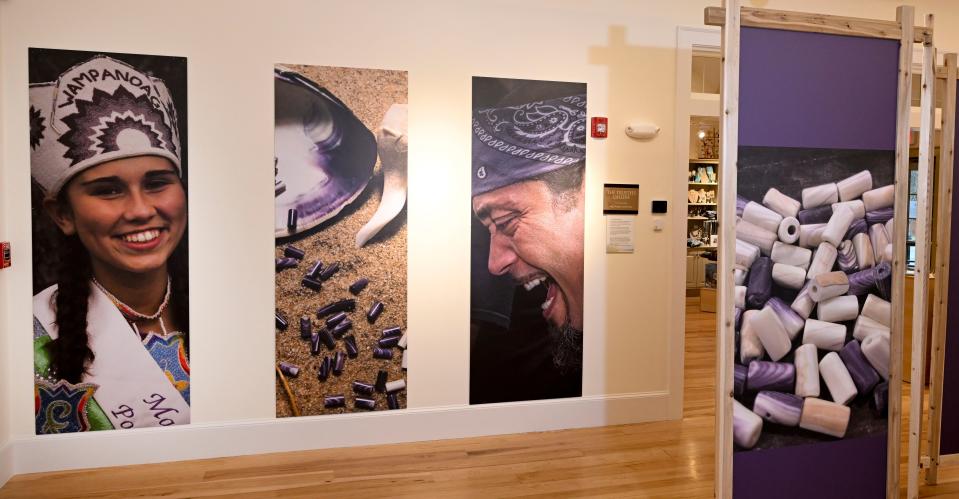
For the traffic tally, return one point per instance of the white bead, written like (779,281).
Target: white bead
(825,335)
(837,378)
(852,187)
(740,297)
(838,309)
(820,195)
(790,255)
(746,254)
(762,217)
(402,342)
(879,240)
(822,261)
(806,359)
(395,386)
(810,235)
(824,417)
(788,276)
(789,230)
(865,256)
(838,225)
(747,426)
(828,285)
(739,276)
(750,348)
(772,334)
(781,203)
(858,209)
(878,310)
(756,235)
(876,349)
(866,327)
(882,197)
(803,304)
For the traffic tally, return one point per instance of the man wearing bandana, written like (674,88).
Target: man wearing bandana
(528,166)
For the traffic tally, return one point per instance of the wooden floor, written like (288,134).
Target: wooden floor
(664,459)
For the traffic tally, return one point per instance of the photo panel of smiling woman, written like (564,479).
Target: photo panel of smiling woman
(109,211)
(526,303)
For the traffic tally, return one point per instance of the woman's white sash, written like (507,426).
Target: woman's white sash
(133,391)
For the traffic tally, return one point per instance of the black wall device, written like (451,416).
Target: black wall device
(659,206)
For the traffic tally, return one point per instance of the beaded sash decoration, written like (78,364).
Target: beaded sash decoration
(61,407)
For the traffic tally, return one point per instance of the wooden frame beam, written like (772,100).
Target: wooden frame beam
(818,23)
(923,232)
(943,236)
(904,15)
(729,150)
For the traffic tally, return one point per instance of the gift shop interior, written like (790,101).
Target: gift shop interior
(697,248)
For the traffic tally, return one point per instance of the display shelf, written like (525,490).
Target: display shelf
(702,248)
(704,161)
(704,183)
(702,204)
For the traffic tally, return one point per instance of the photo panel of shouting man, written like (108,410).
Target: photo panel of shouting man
(526,276)
(111,317)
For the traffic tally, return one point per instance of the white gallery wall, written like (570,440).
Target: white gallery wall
(625,51)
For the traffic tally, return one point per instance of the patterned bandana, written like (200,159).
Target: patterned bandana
(98,111)
(517,143)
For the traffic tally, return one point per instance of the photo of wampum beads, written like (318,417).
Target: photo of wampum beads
(340,169)
(813,282)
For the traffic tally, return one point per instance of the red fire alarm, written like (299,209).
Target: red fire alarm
(599,127)
(4,255)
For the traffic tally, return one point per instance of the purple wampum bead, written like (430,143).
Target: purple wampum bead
(846,257)
(858,226)
(382,353)
(347,305)
(334,401)
(286,263)
(773,376)
(324,371)
(350,342)
(327,338)
(880,399)
(787,316)
(818,215)
(281,322)
(392,402)
(293,252)
(741,203)
(375,310)
(339,362)
(739,379)
(315,270)
(359,285)
(342,328)
(362,403)
(388,342)
(362,388)
(291,370)
(867,280)
(863,375)
(759,286)
(328,272)
(306,328)
(880,216)
(779,408)
(392,331)
(335,319)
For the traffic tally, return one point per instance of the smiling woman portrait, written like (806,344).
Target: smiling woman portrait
(111,309)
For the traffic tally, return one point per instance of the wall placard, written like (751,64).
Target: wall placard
(620,199)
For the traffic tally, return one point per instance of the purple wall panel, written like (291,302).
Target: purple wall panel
(843,469)
(950,388)
(815,90)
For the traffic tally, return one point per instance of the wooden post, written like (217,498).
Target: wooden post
(729,150)
(943,236)
(904,15)
(923,231)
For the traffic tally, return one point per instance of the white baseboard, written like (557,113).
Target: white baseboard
(6,462)
(201,441)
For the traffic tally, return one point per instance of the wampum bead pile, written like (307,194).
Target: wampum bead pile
(813,284)
(334,324)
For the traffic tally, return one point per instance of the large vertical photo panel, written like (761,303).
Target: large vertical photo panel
(526,268)
(108,164)
(813,268)
(340,142)
(949,426)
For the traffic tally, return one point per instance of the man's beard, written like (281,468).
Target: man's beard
(567,342)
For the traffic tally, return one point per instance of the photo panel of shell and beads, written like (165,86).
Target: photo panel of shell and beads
(340,228)
(813,283)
